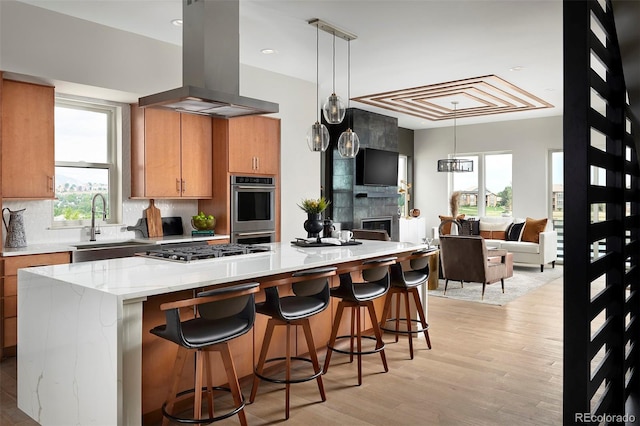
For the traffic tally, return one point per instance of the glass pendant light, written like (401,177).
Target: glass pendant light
(333,108)
(455,164)
(318,135)
(349,142)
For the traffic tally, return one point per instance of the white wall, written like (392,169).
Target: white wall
(528,140)
(85,59)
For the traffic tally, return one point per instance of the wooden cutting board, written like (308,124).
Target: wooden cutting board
(154,220)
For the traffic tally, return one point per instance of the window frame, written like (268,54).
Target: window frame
(114,113)
(481,169)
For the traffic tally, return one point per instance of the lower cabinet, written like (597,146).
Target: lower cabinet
(9,294)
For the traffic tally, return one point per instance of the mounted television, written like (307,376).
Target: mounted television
(376,167)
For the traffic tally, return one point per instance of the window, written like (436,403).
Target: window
(557,198)
(86,160)
(487,190)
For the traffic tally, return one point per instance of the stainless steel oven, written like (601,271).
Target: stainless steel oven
(253,209)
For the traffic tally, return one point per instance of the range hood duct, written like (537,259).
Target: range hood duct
(210,65)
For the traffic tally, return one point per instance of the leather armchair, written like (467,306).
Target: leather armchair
(466,258)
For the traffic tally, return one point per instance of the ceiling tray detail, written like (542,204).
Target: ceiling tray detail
(477,96)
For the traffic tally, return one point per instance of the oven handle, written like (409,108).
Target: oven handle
(244,234)
(267,187)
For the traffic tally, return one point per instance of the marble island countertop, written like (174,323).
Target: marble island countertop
(135,277)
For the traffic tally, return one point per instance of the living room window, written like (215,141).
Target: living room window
(86,160)
(486,191)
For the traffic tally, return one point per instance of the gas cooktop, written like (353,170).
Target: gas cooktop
(200,252)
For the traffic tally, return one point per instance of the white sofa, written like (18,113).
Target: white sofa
(541,253)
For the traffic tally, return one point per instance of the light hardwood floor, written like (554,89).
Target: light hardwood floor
(490,365)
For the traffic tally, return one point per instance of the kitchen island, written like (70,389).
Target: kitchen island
(80,326)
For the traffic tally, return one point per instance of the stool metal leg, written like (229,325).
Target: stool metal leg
(359,339)
(354,312)
(398,297)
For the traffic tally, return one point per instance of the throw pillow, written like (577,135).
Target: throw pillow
(446,228)
(515,231)
(532,230)
(494,228)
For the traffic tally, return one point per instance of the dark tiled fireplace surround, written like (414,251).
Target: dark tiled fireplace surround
(352,204)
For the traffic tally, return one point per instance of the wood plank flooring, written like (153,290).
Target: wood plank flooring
(490,365)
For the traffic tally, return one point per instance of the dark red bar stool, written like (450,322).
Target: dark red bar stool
(311,296)
(356,295)
(223,314)
(405,283)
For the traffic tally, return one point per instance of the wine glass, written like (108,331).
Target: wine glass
(428,241)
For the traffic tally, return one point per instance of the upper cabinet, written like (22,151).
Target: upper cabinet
(170,154)
(28,161)
(254,145)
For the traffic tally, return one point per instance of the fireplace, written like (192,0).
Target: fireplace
(378,223)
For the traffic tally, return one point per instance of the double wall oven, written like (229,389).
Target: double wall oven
(253,209)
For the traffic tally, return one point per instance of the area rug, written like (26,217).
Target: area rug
(524,280)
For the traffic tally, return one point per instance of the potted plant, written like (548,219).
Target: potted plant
(314,208)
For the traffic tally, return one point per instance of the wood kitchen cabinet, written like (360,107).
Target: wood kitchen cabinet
(243,146)
(254,145)
(170,154)
(28,162)
(9,293)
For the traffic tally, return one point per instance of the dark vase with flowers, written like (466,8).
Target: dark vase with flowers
(313,225)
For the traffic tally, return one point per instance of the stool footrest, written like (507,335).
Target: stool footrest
(394,331)
(369,352)
(298,380)
(206,420)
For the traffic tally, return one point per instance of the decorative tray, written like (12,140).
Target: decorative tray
(301,242)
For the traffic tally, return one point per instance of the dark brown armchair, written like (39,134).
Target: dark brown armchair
(466,258)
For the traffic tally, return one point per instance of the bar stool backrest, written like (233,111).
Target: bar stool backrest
(241,306)
(419,263)
(310,288)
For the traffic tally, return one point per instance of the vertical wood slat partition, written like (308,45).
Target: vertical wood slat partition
(601,301)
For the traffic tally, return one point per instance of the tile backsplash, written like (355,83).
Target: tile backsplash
(38,218)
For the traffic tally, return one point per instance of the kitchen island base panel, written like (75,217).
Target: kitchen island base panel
(68,366)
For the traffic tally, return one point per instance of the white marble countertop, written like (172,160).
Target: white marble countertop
(136,277)
(71,245)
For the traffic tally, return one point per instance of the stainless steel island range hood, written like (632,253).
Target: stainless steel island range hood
(210,65)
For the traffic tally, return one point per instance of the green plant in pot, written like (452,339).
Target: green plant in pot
(314,208)
(203,222)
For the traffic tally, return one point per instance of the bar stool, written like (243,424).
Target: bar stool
(355,296)
(223,315)
(404,283)
(311,296)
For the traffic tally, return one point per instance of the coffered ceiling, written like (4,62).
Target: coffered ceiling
(500,59)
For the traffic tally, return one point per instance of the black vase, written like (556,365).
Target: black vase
(313,225)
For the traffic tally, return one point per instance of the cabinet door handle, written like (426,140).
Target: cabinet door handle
(178,188)
(50,182)
(184,186)
(257,163)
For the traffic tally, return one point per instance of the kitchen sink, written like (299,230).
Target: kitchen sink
(86,252)
(105,245)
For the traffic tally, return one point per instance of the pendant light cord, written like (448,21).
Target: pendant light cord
(317,75)
(334,62)
(349,74)
(455,114)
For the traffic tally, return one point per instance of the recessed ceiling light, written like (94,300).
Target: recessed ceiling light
(269,51)
(177,22)
(516,68)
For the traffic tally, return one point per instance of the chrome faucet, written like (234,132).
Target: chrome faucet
(93,230)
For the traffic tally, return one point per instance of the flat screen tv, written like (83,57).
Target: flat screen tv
(376,167)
